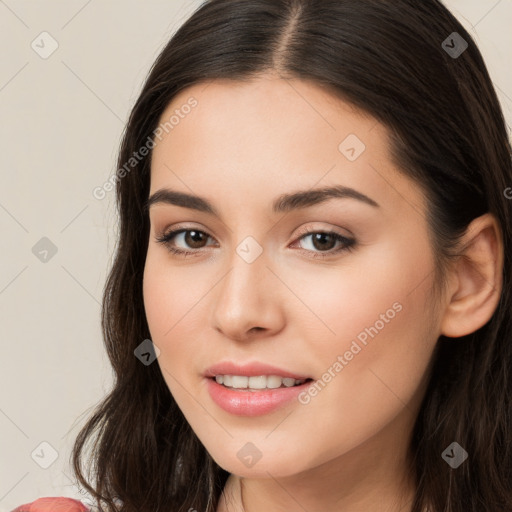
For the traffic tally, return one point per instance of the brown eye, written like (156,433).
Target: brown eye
(194,238)
(321,241)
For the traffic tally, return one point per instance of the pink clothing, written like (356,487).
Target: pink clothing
(53,505)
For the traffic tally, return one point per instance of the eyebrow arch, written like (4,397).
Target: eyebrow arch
(282,204)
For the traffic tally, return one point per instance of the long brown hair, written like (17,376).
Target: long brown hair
(388,58)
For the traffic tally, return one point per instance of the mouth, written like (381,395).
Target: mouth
(256,395)
(257,383)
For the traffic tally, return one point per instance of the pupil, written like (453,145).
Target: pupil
(320,236)
(195,237)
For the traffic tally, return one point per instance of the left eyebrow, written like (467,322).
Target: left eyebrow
(284,203)
(307,198)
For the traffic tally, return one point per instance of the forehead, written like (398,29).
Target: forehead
(272,135)
(269,106)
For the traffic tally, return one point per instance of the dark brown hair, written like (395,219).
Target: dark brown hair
(447,132)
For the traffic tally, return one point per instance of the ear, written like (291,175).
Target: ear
(476,277)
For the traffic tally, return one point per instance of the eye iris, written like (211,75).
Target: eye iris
(193,237)
(320,237)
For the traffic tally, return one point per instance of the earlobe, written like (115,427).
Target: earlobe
(478,279)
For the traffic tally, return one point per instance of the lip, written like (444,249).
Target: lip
(253,369)
(253,403)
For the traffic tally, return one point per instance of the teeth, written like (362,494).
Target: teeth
(259,382)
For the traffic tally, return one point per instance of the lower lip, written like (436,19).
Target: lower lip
(253,403)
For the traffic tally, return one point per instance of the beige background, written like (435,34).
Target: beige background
(61,123)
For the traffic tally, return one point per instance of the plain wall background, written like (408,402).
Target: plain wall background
(61,123)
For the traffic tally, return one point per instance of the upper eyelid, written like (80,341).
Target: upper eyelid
(303,232)
(347,243)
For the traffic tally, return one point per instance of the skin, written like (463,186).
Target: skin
(244,144)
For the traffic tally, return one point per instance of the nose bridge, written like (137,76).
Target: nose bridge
(245,298)
(248,264)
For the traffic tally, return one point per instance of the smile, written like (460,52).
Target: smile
(258,382)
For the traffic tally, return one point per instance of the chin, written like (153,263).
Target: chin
(274,465)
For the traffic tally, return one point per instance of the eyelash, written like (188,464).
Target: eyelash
(349,243)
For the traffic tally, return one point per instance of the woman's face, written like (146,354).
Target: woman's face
(352,314)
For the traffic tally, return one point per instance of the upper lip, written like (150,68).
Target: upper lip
(253,369)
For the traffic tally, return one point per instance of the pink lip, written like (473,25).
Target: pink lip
(250,370)
(243,402)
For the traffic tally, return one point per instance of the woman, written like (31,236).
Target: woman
(255,368)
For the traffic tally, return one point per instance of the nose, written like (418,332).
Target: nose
(248,301)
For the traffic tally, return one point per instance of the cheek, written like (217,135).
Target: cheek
(176,299)
(158,299)
(379,285)
(170,296)
(384,337)
(169,300)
